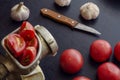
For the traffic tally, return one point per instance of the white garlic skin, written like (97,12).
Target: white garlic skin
(89,11)
(21,14)
(63,3)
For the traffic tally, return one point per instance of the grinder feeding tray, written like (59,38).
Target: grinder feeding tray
(46,45)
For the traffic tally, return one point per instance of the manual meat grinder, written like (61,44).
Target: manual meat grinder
(11,69)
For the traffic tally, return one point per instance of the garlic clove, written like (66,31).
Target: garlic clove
(63,3)
(20,12)
(89,11)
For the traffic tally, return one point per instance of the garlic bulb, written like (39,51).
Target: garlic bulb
(89,11)
(20,12)
(63,2)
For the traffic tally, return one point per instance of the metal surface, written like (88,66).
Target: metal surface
(12,67)
(13,76)
(20,68)
(3,71)
(45,49)
(49,39)
(37,74)
(87,28)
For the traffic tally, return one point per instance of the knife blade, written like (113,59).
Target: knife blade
(68,21)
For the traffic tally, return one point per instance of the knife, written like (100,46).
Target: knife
(68,21)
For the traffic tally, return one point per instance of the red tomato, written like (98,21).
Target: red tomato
(33,42)
(81,78)
(100,50)
(108,71)
(27,35)
(26,26)
(27,31)
(28,56)
(117,51)
(71,61)
(15,44)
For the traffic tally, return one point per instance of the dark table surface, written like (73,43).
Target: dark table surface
(108,23)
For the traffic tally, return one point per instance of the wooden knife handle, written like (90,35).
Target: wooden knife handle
(58,17)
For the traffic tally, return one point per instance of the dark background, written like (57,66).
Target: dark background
(108,23)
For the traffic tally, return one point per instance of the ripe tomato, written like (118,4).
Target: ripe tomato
(108,71)
(33,42)
(26,26)
(16,44)
(27,31)
(100,50)
(28,56)
(27,35)
(117,51)
(81,78)
(71,61)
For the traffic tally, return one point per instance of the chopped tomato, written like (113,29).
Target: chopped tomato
(26,26)
(27,31)
(33,42)
(16,44)
(28,35)
(28,56)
